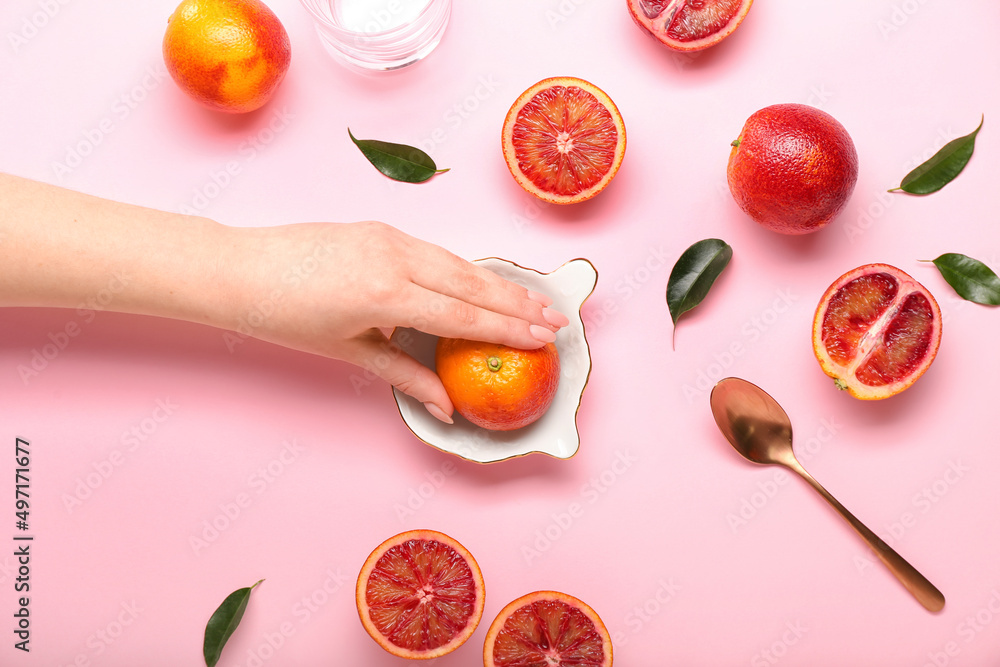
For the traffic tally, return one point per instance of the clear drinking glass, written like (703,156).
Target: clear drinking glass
(379,34)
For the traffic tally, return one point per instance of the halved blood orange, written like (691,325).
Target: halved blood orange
(547,628)
(689,25)
(876,331)
(420,594)
(563,140)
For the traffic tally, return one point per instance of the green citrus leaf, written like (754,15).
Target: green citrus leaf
(397,161)
(693,275)
(973,280)
(224,622)
(942,168)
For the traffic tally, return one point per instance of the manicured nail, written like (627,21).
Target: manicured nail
(438,413)
(554,317)
(539,298)
(542,334)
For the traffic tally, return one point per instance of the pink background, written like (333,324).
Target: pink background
(658,545)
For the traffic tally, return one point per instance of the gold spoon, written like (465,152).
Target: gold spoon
(757,427)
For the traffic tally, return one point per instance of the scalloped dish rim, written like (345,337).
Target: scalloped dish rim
(398,395)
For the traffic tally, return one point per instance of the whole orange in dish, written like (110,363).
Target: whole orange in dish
(793,168)
(230,55)
(498,387)
(563,140)
(876,331)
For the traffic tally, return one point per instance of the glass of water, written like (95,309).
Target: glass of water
(379,34)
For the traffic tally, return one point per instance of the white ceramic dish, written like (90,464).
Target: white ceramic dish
(555,433)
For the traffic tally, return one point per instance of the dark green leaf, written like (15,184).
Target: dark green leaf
(973,280)
(223,622)
(694,273)
(942,167)
(397,161)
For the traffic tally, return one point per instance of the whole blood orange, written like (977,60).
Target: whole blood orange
(876,331)
(547,628)
(230,55)
(689,25)
(420,594)
(793,168)
(497,387)
(563,140)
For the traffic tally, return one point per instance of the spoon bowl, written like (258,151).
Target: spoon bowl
(760,430)
(752,422)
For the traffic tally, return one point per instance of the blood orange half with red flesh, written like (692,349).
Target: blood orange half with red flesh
(420,594)
(546,628)
(563,140)
(876,331)
(689,25)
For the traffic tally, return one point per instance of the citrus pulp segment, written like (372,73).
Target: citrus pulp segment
(547,628)
(563,140)
(876,331)
(689,25)
(420,594)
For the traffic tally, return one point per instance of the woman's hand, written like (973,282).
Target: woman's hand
(337,289)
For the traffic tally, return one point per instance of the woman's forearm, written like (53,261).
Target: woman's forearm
(60,248)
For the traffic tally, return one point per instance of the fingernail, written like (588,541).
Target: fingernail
(554,317)
(438,413)
(542,334)
(539,298)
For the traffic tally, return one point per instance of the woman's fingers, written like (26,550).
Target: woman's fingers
(442,315)
(387,360)
(445,273)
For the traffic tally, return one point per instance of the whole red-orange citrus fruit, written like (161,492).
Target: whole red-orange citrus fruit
(230,55)
(793,168)
(498,387)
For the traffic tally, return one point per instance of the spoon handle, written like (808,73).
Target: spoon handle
(924,591)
